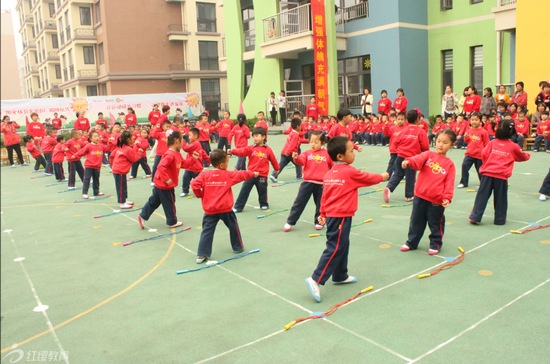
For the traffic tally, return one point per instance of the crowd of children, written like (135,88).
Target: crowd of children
(492,143)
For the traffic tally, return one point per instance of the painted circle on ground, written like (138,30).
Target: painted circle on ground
(19,259)
(97,227)
(41,308)
(450,259)
(448,222)
(545,242)
(384,246)
(484,272)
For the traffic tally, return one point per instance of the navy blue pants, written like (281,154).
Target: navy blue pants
(40,161)
(424,212)
(75,167)
(397,176)
(487,186)
(466,165)
(155,165)
(121,187)
(391,163)
(186,180)
(168,201)
(205,145)
(209,223)
(539,139)
(334,260)
(144,165)
(283,162)
(241,164)
(261,187)
(59,172)
(545,188)
(518,139)
(91,174)
(223,143)
(307,189)
(49,165)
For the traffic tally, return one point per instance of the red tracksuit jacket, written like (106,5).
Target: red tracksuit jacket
(316,164)
(411,141)
(160,136)
(47,144)
(32,149)
(259,158)
(93,153)
(384,106)
(214,187)
(224,127)
(197,166)
(472,103)
(169,169)
(262,124)
(292,144)
(72,146)
(143,144)
(477,139)
(436,179)
(340,130)
(58,155)
(122,159)
(340,186)
(400,104)
(204,131)
(543,126)
(241,134)
(82,124)
(498,158)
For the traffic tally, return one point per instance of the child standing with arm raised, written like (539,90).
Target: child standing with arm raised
(338,205)
(214,188)
(194,169)
(498,162)
(429,203)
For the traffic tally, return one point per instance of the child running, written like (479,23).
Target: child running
(429,203)
(121,161)
(477,138)
(194,169)
(316,163)
(498,162)
(260,155)
(166,179)
(214,188)
(338,205)
(94,155)
(292,145)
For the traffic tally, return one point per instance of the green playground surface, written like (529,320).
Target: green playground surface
(109,303)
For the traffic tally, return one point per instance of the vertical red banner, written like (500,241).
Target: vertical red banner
(320,54)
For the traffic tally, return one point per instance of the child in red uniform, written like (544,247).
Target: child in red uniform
(436,128)
(47,145)
(316,163)
(94,155)
(472,103)
(477,138)
(312,109)
(82,122)
(460,128)
(121,161)
(58,156)
(393,133)
(241,134)
(542,133)
(71,147)
(498,162)
(159,133)
(429,202)
(204,135)
(338,205)
(292,144)
(384,104)
(143,143)
(260,155)
(101,120)
(400,102)
(214,188)
(341,128)
(224,128)
(130,119)
(154,115)
(523,128)
(56,121)
(261,123)
(166,179)
(34,152)
(411,141)
(193,171)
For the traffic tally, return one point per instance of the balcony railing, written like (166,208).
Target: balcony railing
(287,23)
(50,24)
(82,33)
(506,2)
(87,73)
(54,86)
(357,11)
(29,19)
(299,103)
(29,44)
(249,40)
(53,56)
(177,28)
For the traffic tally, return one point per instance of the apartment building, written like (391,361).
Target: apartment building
(11,83)
(419,46)
(78,48)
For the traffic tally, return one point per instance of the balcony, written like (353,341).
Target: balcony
(505,15)
(53,56)
(50,25)
(29,19)
(89,74)
(289,33)
(29,45)
(84,35)
(357,11)
(177,32)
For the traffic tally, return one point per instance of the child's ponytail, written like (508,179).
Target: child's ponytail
(241,118)
(124,138)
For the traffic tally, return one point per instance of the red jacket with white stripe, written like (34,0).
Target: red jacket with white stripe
(436,179)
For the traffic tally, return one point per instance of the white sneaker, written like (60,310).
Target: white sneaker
(153,184)
(318,227)
(129,202)
(13,166)
(313,289)
(177,224)
(183,194)
(542,197)
(147,176)
(272,178)
(287,228)
(130,177)
(125,206)
(71,188)
(460,186)
(85,197)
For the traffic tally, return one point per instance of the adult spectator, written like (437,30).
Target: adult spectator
(12,140)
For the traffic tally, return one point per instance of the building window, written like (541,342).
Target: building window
(55,42)
(206,17)
(208,55)
(101,54)
(51,7)
(447,68)
(97,10)
(58,71)
(446,4)
(249,29)
(211,96)
(88,55)
(103,88)
(91,90)
(476,74)
(85,16)
(475,1)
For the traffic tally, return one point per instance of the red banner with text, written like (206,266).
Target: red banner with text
(320,54)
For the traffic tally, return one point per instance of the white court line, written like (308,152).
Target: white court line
(37,299)
(485,215)
(492,314)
